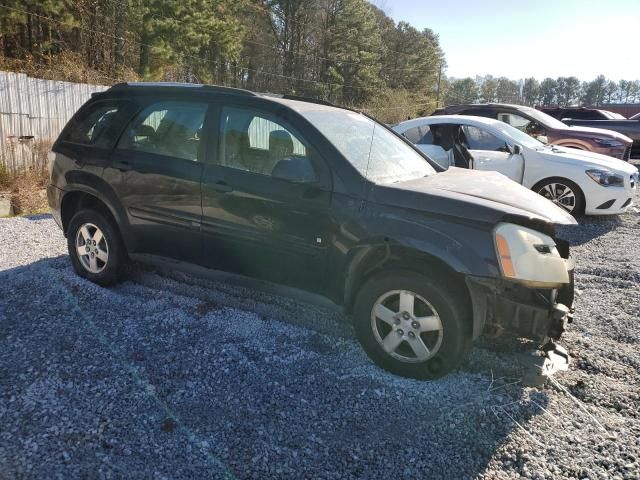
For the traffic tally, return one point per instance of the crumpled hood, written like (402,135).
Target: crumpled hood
(597,131)
(590,158)
(483,190)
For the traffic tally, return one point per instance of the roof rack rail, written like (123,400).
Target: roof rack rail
(298,98)
(308,99)
(215,88)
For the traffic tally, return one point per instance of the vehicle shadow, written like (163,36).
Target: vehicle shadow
(588,228)
(186,376)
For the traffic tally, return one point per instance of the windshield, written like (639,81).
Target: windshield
(544,119)
(518,136)
(374,151)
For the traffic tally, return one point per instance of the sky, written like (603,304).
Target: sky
(526,38)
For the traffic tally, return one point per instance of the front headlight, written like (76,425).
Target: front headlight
(608,142)
(529,257)
(606,178)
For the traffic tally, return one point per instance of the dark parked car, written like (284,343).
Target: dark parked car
(629,127)
(315,197)
(548,129)
(580,113)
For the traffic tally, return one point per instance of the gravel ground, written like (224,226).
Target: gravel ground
(171,376)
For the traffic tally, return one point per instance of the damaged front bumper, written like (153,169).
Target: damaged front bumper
(500,306)
(542,315)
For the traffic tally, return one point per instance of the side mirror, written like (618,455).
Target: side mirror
(517,149)
(543,139)
(294,170)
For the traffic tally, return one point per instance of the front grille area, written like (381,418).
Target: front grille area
(626,203)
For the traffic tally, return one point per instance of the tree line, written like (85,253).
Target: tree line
(561,91)
(344,51)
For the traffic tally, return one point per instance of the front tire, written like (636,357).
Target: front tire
(412,325)
(95,247)
(564,193)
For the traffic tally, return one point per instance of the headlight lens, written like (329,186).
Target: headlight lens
(606,178)
(608,142)
(529,257)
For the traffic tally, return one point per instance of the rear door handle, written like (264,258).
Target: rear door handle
(221,187)
(122,165)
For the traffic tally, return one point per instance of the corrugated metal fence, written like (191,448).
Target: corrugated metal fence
(33,111)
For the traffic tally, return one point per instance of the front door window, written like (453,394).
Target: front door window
(526,125)
(479,139)
(490,152)
(256,143)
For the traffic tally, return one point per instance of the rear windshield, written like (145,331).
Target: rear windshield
(378,154)
(91,124)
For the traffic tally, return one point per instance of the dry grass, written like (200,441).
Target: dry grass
(26,190)
(66,66)
(26,187)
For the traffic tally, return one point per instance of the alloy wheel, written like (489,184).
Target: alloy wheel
(92,248)
(560,194)
(406,326)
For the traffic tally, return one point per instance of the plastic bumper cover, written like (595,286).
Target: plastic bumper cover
(504,307)
(54,197)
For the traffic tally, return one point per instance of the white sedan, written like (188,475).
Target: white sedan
(579,181)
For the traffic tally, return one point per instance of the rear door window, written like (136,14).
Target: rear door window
(91,125)
(515,120)
(169,128)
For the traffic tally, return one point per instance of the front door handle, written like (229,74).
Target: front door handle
(223,187)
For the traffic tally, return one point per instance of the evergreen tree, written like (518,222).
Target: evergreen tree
(530,91)
(548,88)
(463,90)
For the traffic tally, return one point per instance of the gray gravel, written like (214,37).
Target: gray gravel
(171,376)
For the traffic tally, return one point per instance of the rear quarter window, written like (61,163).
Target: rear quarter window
(91,124)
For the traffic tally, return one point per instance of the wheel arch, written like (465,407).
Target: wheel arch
(91,195)
(573,143)
(539,183)
(77,200)
(84,188)
(557,179)
(374,259)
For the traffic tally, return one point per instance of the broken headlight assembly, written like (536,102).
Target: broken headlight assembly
(606,178)
(529,257)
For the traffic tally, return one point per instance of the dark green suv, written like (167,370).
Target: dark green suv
(319,198)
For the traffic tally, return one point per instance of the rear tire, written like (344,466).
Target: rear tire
(95,247)
(425,343)
(562,192)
